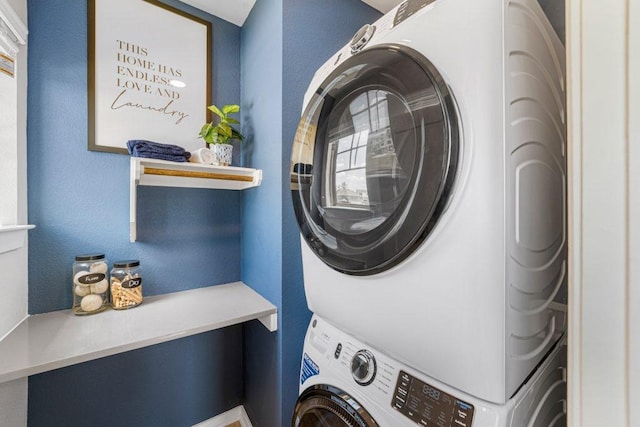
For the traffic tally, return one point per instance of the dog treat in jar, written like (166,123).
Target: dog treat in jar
(126,284)
(90,284)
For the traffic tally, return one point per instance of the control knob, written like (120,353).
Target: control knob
(362,37)
(363,367)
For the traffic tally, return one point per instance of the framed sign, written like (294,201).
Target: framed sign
(149,74)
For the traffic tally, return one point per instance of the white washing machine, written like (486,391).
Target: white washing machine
(344,382)
(428,177)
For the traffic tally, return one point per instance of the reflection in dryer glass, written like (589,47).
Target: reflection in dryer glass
(364,168)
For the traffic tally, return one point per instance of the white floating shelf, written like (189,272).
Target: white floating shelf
(162,173)
(54,340)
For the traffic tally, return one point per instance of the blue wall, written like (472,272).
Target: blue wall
(79,200)
(261,54)
(283,43)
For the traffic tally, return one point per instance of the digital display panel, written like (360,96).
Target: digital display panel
(429,406)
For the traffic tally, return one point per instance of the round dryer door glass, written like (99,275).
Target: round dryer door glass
(374,159)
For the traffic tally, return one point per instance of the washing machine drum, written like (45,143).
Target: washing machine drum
(374,159)
(328,406)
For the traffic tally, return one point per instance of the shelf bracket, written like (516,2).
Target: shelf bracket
(133,199)
(270,322)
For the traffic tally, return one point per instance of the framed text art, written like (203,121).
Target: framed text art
(149,74)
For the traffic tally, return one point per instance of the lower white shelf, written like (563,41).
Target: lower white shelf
(54,340)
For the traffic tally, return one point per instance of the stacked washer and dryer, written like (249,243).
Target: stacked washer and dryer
(428,178)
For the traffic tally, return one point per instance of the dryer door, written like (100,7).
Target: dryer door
(374,159)
(325,405)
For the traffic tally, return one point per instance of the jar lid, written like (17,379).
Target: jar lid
(90,257)
(126,264)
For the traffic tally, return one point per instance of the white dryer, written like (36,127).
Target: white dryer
(428,178)
(344,382)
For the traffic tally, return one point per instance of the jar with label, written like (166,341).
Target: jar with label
(126,284)
(90,284)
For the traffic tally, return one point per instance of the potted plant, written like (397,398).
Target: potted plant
(220,135)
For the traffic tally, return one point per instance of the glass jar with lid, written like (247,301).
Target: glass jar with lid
(90,284)
(126,284)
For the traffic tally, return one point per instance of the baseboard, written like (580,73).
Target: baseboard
(244,418)
(237,414)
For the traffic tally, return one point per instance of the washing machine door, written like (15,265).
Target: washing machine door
(374,159)
(328,406)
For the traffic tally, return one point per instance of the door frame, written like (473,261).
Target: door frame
(603,69)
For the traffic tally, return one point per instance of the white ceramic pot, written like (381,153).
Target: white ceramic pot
(222,153)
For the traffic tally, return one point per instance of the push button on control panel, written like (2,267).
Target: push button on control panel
(336,354)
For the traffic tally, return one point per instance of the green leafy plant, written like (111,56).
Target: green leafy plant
(222,132)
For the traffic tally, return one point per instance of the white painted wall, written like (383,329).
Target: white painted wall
(8,149)
(13,264)
(8,136)
(604,103)
(13,182)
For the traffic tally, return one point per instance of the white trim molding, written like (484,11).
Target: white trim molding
(13,237)
(237,414)
(604,215)
(13,32)
(13,21)
(633,300)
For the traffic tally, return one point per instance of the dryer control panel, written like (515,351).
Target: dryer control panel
(429,406)
(409,8)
